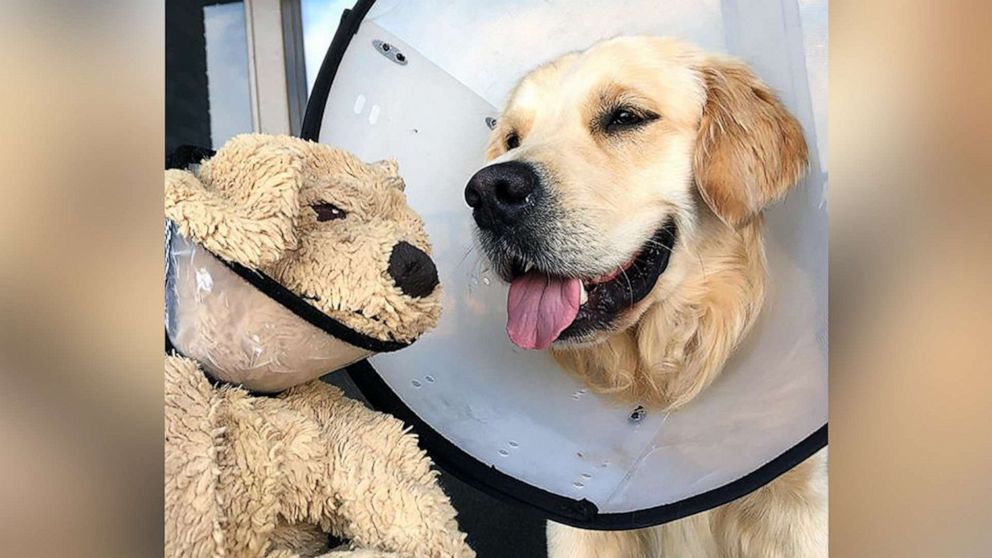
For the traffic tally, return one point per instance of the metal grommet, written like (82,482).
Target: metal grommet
(390,52)
(638,414)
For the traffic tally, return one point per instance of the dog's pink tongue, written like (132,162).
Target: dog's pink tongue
(539,308)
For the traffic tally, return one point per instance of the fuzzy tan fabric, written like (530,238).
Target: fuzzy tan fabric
(256,202)
(273,476)
(261,476)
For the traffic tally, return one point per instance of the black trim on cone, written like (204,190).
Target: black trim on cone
(577,513)
(288,299)
(314,115)
(302,309)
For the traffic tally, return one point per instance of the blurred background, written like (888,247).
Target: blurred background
(83,108)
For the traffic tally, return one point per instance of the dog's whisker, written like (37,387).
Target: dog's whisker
(653,242)
(467,252)
(630,288)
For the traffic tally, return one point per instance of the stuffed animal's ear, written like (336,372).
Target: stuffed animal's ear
(390,169)
(386,166)
(244,205)
(749,150)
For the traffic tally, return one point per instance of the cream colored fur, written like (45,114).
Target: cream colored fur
(722,149)
(271,476)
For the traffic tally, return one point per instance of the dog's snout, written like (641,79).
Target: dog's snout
(500,194)
(412,270)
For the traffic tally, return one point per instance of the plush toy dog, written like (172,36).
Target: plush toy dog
(286,260)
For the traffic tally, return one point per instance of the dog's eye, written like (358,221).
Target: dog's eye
(512,141)
(328,211)
(624,118)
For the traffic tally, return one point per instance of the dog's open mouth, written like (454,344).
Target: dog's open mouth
(543,307)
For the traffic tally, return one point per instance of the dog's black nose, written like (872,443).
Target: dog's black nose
(412,270)
(501,194)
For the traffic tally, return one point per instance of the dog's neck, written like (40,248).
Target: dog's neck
(683,339)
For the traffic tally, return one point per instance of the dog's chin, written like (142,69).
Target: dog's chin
(613,302)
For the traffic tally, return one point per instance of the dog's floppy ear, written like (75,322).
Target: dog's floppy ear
(749,150)
(244,205)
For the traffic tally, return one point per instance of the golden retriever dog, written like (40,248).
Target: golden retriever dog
(622,202)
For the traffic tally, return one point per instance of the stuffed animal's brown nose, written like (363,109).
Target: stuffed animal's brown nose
(412,270)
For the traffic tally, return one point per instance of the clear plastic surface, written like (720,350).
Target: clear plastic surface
(236,332)
(513,409)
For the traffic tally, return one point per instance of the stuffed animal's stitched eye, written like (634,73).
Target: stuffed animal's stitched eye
(512,141)
(328,211)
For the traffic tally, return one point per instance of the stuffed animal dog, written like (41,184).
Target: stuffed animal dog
(287,260)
